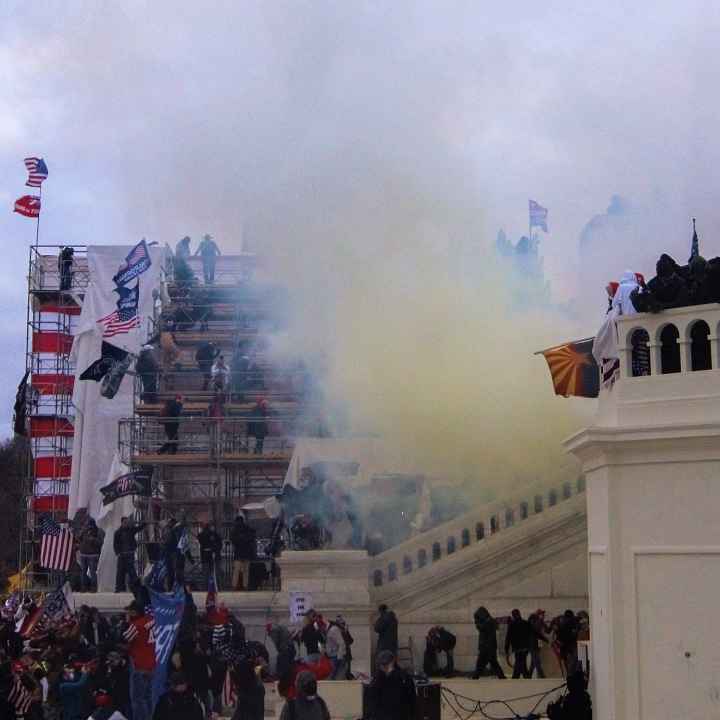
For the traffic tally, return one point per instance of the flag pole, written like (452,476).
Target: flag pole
(529,223)
(37,227)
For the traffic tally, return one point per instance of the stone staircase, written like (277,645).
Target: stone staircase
(527,552)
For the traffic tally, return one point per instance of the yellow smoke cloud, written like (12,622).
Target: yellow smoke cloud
(422,338)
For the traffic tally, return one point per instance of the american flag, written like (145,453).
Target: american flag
(119,322)
(37,171)
(538,215)
(20,697)
(56,546)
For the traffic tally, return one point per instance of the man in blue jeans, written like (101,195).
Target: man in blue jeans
(141,651)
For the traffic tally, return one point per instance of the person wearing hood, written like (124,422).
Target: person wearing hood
(178,703)
(622,301)
(487,644)
(247,679)
(668,289)
(182,249)
(386,627)
(308,705)
(392,692)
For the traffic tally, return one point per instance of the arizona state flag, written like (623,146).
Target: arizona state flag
(573,369)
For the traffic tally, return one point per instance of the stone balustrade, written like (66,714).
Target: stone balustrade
(669,369)
(678,340)
(463,532)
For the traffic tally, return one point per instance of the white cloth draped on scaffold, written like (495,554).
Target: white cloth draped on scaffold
(96,421)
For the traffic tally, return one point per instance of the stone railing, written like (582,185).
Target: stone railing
(680,340)
(468,530)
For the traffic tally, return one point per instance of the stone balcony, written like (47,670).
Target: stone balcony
(669,369)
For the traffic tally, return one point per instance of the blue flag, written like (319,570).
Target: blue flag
(168,613)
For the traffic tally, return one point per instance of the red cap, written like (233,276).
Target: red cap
(612,288)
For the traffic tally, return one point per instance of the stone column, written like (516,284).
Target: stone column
(339,585)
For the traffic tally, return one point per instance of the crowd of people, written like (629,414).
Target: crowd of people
(84,665)
(81,664)
(523,639)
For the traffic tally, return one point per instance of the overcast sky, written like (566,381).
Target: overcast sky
(162,119)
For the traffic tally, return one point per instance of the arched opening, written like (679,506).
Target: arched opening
(377,578)
(639,353)
(437,552)
(450,545)
(392,572)
(422,558)
(669,350)
(493,524)
(552,498)
(524,510)
(465,538)
(700,358)
(567,490)
(509,517)
(407,565)
(479,531)
(538,503)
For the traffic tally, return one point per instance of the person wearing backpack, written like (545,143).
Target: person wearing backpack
(308,705)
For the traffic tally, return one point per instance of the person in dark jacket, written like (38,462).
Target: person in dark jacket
(537,625)
(182,248)
(178,703)
(487,643)
(171,412)
(124,545)
(242,538)
(311,637)
(258,426)
(65,263)
(308,705)
(518,638)
(89,548)
(74,689)
(176,551)
(208,252)
(439,640)
(392,692)
(567,635)
(205,357)
(576,705)
(147,367)
(247,678)
(210,548)
(386,627)
(117,681)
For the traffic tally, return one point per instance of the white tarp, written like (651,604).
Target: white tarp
(96,417)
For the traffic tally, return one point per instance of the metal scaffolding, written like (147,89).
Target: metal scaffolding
(52,315)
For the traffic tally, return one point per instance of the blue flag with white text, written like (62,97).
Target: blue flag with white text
(168,612)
